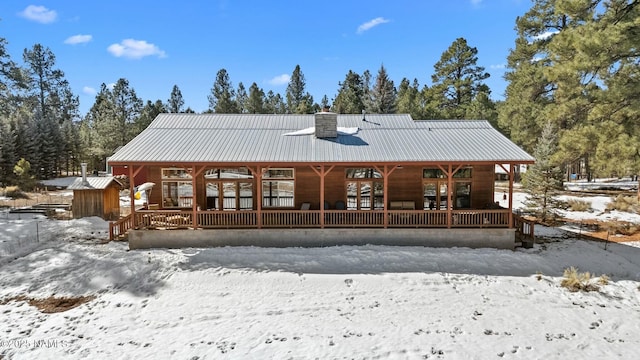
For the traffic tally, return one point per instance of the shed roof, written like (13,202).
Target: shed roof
(241,138)
(93,183)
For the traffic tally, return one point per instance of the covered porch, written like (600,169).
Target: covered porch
(357,196)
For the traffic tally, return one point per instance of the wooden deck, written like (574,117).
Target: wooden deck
(298,219)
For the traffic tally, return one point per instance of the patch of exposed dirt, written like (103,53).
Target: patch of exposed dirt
(51,304)
(604,235)
(600,230)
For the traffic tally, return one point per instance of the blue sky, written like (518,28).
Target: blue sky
(158,44)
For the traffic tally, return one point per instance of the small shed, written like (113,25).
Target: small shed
(96,196)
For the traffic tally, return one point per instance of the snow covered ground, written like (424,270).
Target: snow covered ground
(363,302)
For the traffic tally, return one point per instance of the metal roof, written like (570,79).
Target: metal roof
(238,138)
(93,183)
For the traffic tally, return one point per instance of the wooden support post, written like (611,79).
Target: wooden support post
(385,171)
(449,197)
(322,173)
(132,196)
(511,176)
(195,173)
(194,203)
(258,176)
(385,196)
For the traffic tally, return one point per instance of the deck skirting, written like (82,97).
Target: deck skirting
(499,238)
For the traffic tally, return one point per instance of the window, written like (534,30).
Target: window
(278,174)
(232,191)
(232,173)
(462,195)
(365,194)
(436,173)
(433,174)
(463,173)
(177,188)
(278,188)
(363,173)
(175,173)
(435,189)
(435,195)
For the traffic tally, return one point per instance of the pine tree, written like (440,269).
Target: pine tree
(222,97)
(274,104)
(52,104)
(241,99)
(149,112)
(529,91)
(9,81)
(113,120)
(350,95)
(324,103)
(73,146)
(175,102)
(367,93)
(543,180)
(295,95)
(575,63)
(102,122)
(383,94)
(408,99)
(127,107)
(7,155)
(457,79)
(255,102)
(482,108)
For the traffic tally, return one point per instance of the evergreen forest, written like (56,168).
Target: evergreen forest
(573,71)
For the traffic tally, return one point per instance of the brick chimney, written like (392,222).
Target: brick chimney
(326,125)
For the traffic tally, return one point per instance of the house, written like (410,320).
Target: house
(319,179)
(95,196)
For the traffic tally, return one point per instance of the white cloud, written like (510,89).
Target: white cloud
(135,49)
(39,14)
(370,24)
(78,39)
(498,66)
(280,80)
(545,35)
(89,90)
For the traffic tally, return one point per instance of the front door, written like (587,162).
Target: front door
(435,195)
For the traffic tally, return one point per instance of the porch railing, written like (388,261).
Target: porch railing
(171,219)
(227,219)
(248,219)
(480,218)
(119,228)
(524,228)
(312,219)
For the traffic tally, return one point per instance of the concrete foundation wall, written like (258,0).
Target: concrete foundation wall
(473,238)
